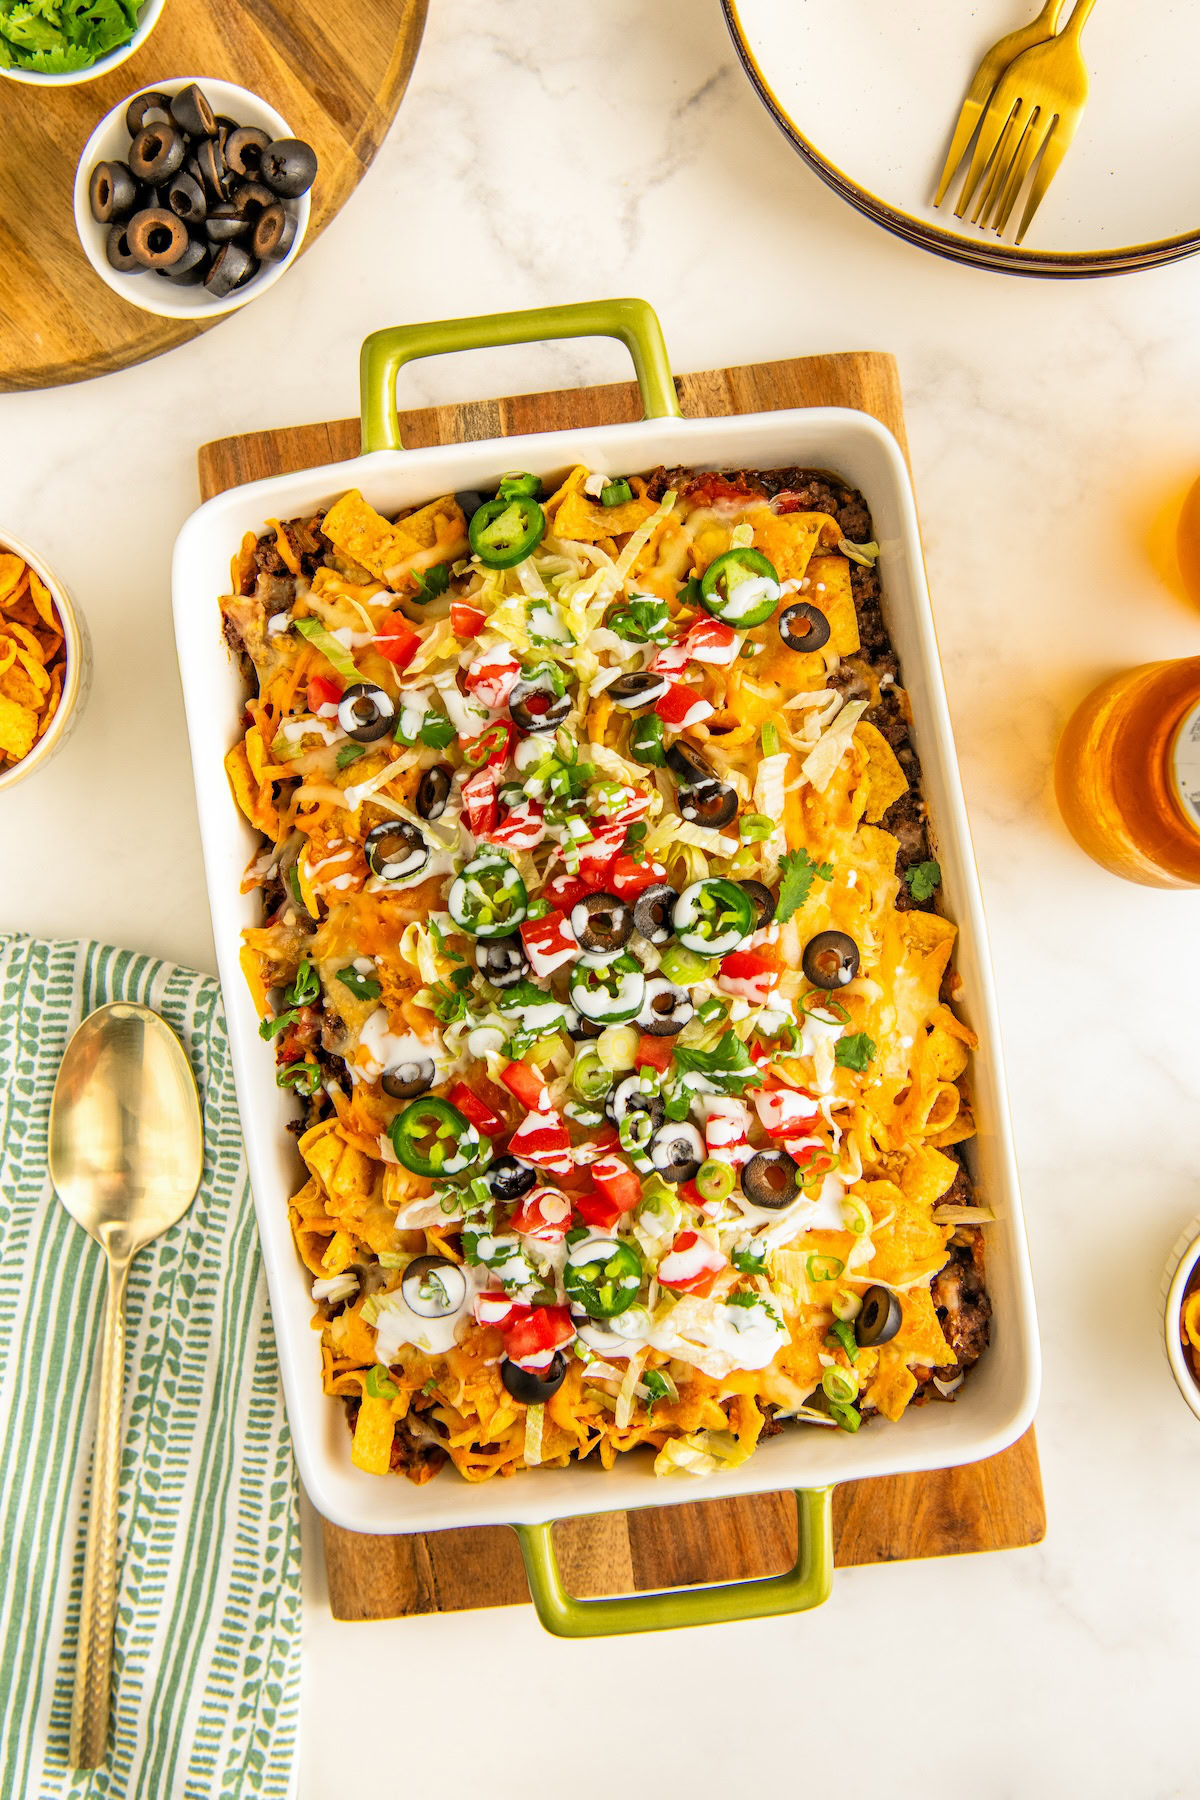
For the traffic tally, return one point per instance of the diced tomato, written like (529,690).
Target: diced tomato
(522,828)
(751,974)
(542,1138)
(323,690)
(687,1190)
(712,487)
(595,857)
(726,1131)
(682,706)
(545,1214)
(493,676)
(709,641)
(630,878)
(600,1143)
(549,942)
(654,1052)
(564,890)
(478,1111)
(525,1083)
(491,746)
(495,1308)
(466,621)
(479,799)
(617,1182)
(810,1158)
(397,640)
(785,1111)
(598,1211)
(673,658)
(691,1265)
(633,809)
(536,1335)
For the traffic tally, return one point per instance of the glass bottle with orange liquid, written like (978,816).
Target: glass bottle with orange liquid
(1128,768)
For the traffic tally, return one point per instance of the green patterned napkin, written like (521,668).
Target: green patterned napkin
(206,1671)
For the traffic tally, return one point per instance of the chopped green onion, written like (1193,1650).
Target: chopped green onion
(615,493)
(306,986)
(750,1262)
(840,1336)
(711,1011)
(589,1077)
(770,739)
(754,827)
(685,967)
(840,1385)
(305,1077)
(847,1417)
(379,1384)
(715,1180)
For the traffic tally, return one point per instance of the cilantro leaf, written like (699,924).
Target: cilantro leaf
(854,1052)
(645,620)
(797,872)
(430,583)
(750,1262)
(922,879)
(522,994)
(363,987)
(728,1066)
(437,731)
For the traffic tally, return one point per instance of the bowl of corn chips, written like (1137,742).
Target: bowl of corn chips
(45,662)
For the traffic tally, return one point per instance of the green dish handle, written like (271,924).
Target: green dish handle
(805,1585)
(385,353)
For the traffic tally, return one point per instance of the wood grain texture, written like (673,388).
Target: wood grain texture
(993,1505)
(336,76)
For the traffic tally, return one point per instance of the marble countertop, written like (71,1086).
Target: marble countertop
(550,153)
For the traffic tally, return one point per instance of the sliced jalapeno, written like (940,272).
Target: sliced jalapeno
(488,899)
(603,1276)
(432,1138)
(505,530)
(741,588)
(646,741)
(611,994)
(713,917)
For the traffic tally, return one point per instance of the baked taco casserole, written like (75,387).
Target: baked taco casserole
(600,946)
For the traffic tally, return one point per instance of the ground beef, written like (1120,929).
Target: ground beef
(960,1295)
(410,1455)
(771,1425)
(307,542)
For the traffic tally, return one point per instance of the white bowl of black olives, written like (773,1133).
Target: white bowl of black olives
(192,197)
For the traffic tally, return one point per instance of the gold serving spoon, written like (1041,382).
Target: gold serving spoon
(126,1154)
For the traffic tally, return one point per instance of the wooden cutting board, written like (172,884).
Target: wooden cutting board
(336,74)
(993,1505)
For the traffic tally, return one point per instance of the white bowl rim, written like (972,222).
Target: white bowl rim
(127,287)
(72,638)
(151,13)
(1185,1379)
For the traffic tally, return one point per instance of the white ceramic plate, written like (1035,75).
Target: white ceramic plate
(999,1399)
(152,293)
(869,92)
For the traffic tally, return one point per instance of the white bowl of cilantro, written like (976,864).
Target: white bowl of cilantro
(59,43)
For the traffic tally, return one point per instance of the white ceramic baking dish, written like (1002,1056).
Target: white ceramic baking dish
(998,1401)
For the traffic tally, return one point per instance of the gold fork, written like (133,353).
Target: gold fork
(1035,111)
(987,75)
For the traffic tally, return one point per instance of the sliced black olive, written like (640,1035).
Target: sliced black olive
(274,233)
(688,764)
(470,500)
(147,109)
(502,960)
(803,627)
(213,172)
(243,150)
(509,1178)
(666,1009)
(770,1179)
(433,1287)
(880,1318)
(601,922)
(365,712)
(653,911)
(116,248)
(112,192)
(641,688)
(288,166)
(830,959)
(764,901)
(250,271)
(579,1028)
(709,803)
(252,199)
(535,706)
(629,1096)
(157,238)
(530,1387)
(408,1079)
(395,850)
(192,113)
(231,266)
(192,266)
(156,154)
(677,1150)
(225,223)
(433,791)
(187,199)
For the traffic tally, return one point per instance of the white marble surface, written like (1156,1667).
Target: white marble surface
(547,153)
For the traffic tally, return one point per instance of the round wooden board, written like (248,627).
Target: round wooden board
(336,74)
